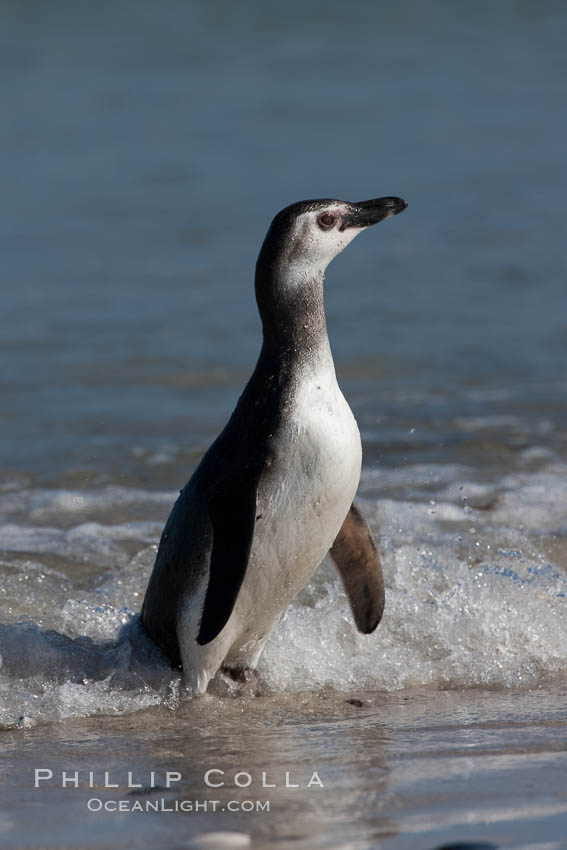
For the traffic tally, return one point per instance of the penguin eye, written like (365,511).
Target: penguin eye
(326,220)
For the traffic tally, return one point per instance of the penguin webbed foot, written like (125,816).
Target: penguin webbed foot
(242,675)
(238,680)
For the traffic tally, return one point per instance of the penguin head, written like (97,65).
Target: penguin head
(304,237)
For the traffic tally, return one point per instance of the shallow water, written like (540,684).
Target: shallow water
(148,146)
(397,771)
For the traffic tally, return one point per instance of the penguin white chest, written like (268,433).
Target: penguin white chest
(327,448)
(309,488)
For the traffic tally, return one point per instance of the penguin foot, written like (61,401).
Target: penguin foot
(246,679)
(242,675)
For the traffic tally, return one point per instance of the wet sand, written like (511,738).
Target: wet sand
(414,770)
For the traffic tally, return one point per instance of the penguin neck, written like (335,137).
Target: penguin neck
(293,319)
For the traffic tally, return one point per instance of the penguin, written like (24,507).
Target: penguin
(275,491)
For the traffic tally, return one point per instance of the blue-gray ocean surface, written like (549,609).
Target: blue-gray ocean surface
(144,148)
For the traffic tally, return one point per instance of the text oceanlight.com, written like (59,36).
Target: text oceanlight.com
(95,804)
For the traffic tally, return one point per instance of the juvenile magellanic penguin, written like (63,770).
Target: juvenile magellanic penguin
(274,493)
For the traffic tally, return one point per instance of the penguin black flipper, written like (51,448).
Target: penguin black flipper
(358,563)
(232,511)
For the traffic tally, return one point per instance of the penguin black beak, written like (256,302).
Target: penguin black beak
(367,213)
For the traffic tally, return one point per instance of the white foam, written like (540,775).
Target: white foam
(47,675)
(474,597)
(45,505)
(87,540)
(448,622)
(471,597)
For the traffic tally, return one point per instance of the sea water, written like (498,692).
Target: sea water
(147,147)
